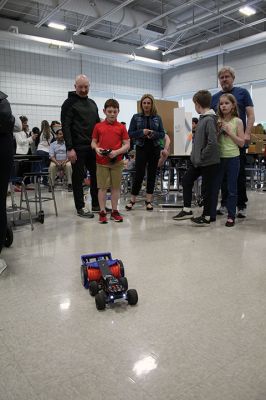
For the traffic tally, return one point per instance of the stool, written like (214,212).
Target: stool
(14,209)
(38,199)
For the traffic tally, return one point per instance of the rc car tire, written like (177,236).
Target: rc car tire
(122,269)
(132,297)
(9,236)
(93,288)
(100,301)
(124,282)
(84,277)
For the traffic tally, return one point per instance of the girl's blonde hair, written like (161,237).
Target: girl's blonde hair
(232,99)
(45,130)
(153,106)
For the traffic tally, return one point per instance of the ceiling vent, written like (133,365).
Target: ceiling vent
(156,28)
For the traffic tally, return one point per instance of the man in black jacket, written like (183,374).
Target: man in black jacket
(7,122)
(79,114)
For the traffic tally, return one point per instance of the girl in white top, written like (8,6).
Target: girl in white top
(23,140)
(45,137)
(44,146)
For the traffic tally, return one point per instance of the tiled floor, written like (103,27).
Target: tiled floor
(197,333)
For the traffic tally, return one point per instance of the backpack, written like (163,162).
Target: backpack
(6,118)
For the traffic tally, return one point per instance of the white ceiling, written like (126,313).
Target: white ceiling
(187,27)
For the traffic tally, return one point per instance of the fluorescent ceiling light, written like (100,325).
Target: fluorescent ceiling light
(56,26)
(248,11)
(56,43)
(150,47)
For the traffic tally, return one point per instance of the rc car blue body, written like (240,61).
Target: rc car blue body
(104,277)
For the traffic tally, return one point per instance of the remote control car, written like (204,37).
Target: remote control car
(105,279)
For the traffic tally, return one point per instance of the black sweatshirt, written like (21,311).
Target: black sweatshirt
(78,117)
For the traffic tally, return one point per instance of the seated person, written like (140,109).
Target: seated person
(59,160)
(55,125)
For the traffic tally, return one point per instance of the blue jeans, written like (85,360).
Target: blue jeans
(44,164)
(229,168)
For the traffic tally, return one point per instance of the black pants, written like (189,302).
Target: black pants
(85,159)
(208,174)
(148,155)
(242,198)
(6,162)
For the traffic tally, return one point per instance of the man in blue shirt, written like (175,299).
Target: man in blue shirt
(226,76)
(59,160)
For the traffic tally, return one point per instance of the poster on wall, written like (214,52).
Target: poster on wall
(182,132)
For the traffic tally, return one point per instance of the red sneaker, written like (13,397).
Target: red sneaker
(102,217)
(116,216)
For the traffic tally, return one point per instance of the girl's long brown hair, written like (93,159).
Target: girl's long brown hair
(45,130)
(232,99)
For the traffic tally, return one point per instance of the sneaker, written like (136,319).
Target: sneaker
(85,213)
(116,216)
(3,265)
(242,213)
(183,215)
(102,217)
(230,222)
(221,211)
(95,208)
(200,220)
(69,187)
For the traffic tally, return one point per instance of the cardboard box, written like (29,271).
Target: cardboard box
(252,148)
(259,146)
(165,109)
(257,130)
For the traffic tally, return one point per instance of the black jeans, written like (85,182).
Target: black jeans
(6,162)
(85,159)
(148,155)
(208,174)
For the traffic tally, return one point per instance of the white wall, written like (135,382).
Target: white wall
(37,80)
(259,99)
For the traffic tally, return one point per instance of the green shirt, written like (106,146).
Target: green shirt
(227,147)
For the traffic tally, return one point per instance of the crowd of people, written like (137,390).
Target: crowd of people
(218,149)
(47,143)
(81,141)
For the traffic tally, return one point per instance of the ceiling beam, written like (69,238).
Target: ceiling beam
(52,13)
(151,21)
(185,27)
(96,21)
(2,3)
(215,37)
